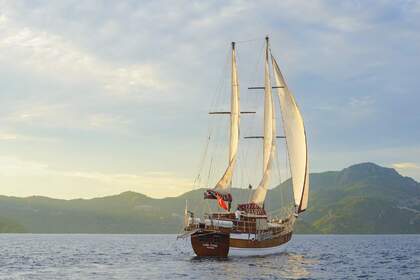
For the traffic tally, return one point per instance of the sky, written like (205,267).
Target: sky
(101,97)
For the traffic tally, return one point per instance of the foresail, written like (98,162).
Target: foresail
(269,137)
(295,139)
(223,185)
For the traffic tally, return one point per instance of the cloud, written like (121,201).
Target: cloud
(8,136)
(50,115)
(14,167)
(353,111)
(57,58)
(321,13)
(72,69)
(11,136)
(406,165)
(107,121)
(156,184)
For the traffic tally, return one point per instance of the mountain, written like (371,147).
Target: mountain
(8,226)
(363,198)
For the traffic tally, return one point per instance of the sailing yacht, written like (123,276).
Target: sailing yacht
(250,229)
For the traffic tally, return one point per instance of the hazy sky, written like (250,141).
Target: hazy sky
(99,97)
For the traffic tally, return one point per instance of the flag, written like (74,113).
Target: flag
(221,202)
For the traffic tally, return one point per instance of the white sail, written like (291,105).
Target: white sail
(269,136)
(223,185)
(295,140)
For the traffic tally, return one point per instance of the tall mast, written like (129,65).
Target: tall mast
(223,185)
(269,134)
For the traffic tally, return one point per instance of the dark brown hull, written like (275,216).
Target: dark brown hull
(210,244)
(268,243)
(217,244)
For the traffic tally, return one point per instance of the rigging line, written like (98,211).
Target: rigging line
(202,161)
(209,209)
(272,212)
(239,175)
(242,175)
(278,169)
(289,175)
(213,102)
(215,127)
(201,165)
(253,101)
(221,147)
(242,164)
(221,129)
(278,164)
(239,166)
(216,97)
(249,40)
(210,167)
(221,82)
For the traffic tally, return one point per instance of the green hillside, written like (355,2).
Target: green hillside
(8,226)
(363,198)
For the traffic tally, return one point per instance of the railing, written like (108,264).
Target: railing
(244,226)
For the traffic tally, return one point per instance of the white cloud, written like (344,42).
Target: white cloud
(57,58)
(406,165)
(107,121)
(355,110)
(8,136)
(156,184)
(80,65)
(12,136)
(14,167)
(51,115)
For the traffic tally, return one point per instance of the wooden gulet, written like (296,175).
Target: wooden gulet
(249,230)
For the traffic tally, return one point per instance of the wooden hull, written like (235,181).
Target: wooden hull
(246,247)
(268,243)
(210,244)
(217,244)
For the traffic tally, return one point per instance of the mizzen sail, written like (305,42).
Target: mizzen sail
(223,185)
(295,140)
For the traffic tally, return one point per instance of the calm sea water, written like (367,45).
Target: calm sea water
(30,256)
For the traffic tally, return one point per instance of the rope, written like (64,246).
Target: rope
(253,101)
(202,161)
(248,41)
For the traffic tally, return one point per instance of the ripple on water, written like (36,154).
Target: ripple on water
(161,257)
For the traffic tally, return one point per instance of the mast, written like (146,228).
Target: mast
(296,142)
(269,134)
(268,111)
(223,185)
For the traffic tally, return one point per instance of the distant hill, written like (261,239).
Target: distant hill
(363,198)
(8,226)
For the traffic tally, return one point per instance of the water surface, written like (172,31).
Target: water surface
(79,256)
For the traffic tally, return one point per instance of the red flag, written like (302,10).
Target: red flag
(221,202)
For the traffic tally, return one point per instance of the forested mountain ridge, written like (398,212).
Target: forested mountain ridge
(363,198)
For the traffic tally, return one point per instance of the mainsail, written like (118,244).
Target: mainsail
(269,136)
(223,185)
(295,140)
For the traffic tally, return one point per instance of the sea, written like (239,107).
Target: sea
(91,256)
